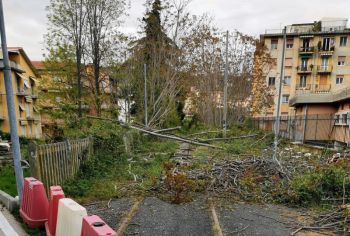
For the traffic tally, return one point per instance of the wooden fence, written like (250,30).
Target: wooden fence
(54,163)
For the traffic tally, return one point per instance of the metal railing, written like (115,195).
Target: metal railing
(322,88)
(314,129)
(305,68)
(324,69)
(307,49)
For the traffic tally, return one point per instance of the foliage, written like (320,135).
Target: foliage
(325,182)
(113,164)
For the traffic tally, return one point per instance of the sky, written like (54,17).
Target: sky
(26,21)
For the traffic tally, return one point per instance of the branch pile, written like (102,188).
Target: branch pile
(336,221)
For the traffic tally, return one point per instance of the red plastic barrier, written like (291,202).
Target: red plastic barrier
(94,226)
(35,205)
(56,193)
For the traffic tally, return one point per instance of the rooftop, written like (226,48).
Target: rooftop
(326,25)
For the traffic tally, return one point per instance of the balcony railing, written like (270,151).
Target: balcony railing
(305,50)
(305,87)
(313,88)
(324,69)
(305,69)
(322,88)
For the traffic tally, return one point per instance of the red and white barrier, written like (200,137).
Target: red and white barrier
(35,205)
(56,193)
(70,217)
(94,226)
(61,216)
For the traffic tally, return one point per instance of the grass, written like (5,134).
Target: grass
(112,172)
(8,179)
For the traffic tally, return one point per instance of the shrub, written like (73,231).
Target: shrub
(325,182)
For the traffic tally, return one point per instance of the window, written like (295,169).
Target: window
(343,41)
(287,80)
(274,63)
(285,98)
(306,44)
(302,81)
(290,43)
(289,62)
(344,118)
(337,119)
(272,81)
(274,43)
(341,61)
(339,79)
(304,64)
(328,44)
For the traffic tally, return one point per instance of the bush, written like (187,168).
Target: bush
(326,182)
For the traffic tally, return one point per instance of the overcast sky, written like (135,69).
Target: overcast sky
(26,19)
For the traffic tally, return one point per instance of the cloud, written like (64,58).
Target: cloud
(26,21)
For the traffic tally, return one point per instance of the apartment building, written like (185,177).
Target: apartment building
(24,85)
(316,67)
(316,77)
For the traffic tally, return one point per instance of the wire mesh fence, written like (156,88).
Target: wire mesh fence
(319,129)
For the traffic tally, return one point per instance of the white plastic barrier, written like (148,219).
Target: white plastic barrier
(69,218)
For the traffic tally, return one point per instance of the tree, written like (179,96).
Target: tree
(261,94)
(67,27)
(103,20)
(161,56)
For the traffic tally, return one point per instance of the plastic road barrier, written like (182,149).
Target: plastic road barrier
(56,193)
(69,218)
(35,205)
(94,226)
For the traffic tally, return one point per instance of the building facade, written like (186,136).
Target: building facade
(25,92)
(316,73)
(316,67)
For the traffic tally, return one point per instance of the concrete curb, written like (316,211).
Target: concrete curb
(10,202)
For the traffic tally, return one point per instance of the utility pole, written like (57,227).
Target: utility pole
(225,87)
(278,105)
(145,87)
(16,152)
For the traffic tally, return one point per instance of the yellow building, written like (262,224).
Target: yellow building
(317,68)
(24,85)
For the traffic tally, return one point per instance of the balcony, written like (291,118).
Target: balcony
(321,94)
(326,51)
(303,88)
(306,50)
(302,69)
(322,88)
(324,69)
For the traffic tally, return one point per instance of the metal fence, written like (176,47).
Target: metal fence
(317,129)
(57,162)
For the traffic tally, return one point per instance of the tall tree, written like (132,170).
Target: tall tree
(103,20)
(67,26)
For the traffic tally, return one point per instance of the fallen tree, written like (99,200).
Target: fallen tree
(143,130)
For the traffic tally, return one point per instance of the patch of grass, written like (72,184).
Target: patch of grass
(121,155)
(8,179)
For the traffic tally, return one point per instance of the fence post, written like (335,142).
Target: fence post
(305,123)
(69,156)
(316,127)
(34,160)
(91,146)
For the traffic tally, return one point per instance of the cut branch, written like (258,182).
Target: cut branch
(157,134)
